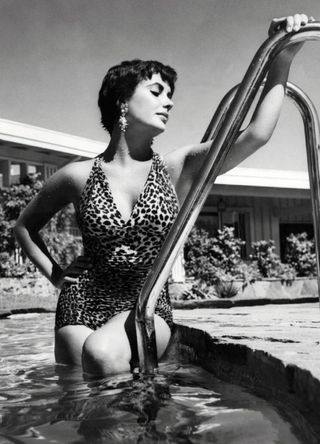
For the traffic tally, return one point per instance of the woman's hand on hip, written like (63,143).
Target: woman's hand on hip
(73,271)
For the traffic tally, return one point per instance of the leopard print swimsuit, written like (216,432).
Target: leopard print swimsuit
(122,252)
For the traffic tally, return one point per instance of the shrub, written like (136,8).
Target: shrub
(15,198)
(248,273)
(12,201)
(268,262)
(300,254)
(195,292)
(227,250)
(207,257)
(287,274)
(9,267)
(197,254)
(213,261)
(63,246)
(226,289)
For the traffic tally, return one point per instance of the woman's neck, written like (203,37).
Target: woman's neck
(124,147)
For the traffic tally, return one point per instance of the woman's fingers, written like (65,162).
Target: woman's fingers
(75,269)
(296,22)
(305,20)
(289,23)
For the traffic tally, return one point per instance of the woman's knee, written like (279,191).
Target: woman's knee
(103,355)
(69,341)
(107,350)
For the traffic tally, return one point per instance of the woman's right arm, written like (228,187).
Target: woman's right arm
(57,192)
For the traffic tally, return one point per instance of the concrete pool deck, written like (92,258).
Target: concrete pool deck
(272,350)
(290,333)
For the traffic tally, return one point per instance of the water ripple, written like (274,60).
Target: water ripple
(182,404)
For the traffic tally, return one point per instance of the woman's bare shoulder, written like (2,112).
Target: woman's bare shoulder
(175,158)
(69,180)
(77,168)
(75,172)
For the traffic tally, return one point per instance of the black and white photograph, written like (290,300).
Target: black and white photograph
(159,221)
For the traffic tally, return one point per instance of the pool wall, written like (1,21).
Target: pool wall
(292,390)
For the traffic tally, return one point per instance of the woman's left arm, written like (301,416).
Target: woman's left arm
(267,112)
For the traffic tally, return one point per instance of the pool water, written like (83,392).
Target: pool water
(182,404)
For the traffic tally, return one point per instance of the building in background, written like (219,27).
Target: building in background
(26,149)
(258,203)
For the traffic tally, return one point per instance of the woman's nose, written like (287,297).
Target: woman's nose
(169,104)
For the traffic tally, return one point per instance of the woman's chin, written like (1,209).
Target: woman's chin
(159,129)
(152,130)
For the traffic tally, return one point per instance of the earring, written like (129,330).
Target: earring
(123,123)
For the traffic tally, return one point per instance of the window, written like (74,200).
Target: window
(31,169)
(15,172)
(209,222)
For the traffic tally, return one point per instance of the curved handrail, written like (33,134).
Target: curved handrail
(224,129)
(312,136)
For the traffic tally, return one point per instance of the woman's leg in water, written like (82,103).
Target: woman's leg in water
(107,350)
(69,342)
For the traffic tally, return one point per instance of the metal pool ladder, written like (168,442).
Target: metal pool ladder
(223,130)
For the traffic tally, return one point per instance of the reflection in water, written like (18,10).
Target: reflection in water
(118,407)
(182,404)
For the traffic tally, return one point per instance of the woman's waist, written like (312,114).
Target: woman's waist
(105,269)
(102,262)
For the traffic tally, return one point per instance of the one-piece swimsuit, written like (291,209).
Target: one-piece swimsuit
(122,252)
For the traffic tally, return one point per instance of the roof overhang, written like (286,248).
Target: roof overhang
(54,141)
(33,136)
(258,177)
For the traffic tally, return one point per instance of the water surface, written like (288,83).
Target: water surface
(43,402)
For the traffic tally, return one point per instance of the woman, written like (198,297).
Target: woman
(126,199)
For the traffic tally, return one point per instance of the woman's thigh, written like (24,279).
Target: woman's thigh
(69,342)
(114,331)
(108,347)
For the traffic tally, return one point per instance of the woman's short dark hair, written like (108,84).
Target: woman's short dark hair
(120,82)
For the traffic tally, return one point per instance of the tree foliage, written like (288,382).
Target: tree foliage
(63,246)
(265,257)
(301,255)
(212,259)
(268,262)
(215,262)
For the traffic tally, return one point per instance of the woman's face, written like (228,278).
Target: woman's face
(150,105)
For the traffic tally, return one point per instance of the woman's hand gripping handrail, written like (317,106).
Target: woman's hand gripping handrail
(223,129)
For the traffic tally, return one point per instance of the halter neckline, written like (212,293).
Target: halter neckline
(140,196)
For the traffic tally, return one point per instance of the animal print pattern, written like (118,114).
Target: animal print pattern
(122,252)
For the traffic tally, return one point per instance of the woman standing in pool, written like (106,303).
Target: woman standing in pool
(126,200)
